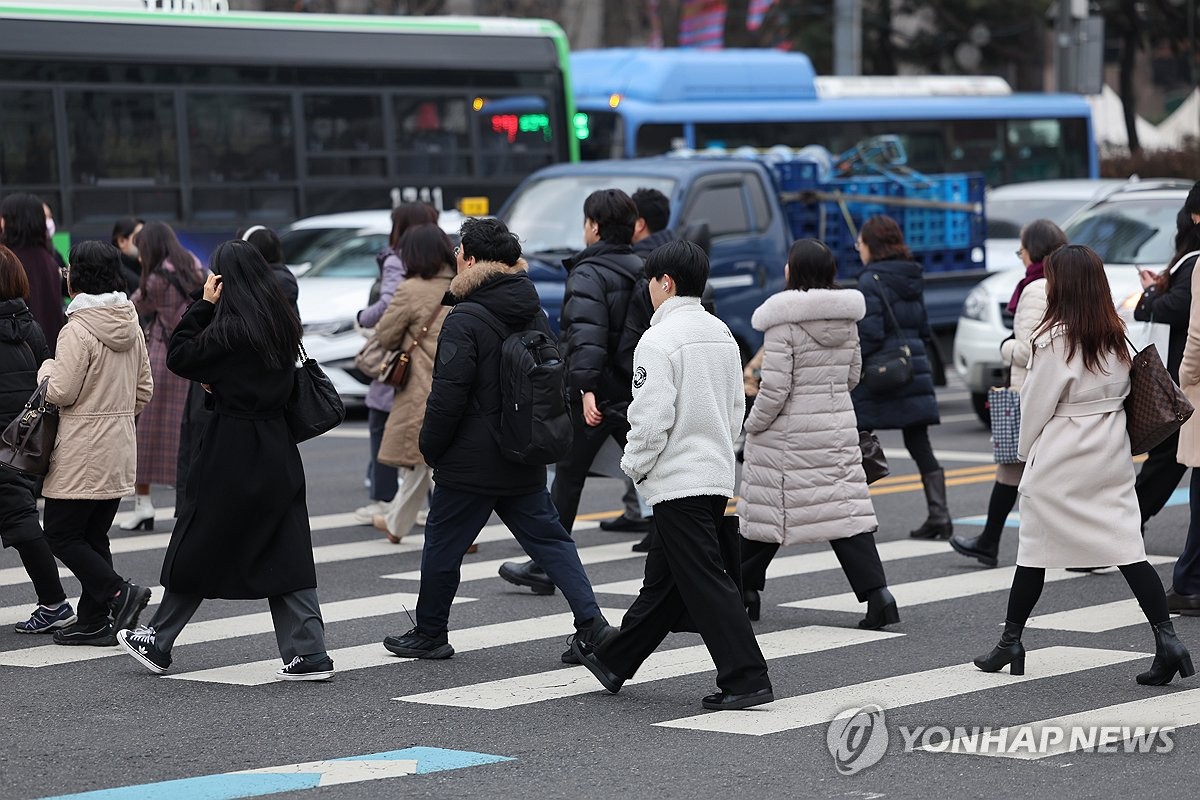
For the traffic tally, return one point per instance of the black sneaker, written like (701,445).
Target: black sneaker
(127,605)
(624,524)
(415,644)
(140,644)
(96,634)
(587,657)
(301,669)
(595,635)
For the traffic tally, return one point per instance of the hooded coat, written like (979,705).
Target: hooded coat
(100,380)
(903,284)
(464,399)
(244,531)
(22,349)
(803,478)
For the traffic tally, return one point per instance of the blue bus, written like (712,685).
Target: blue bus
(638,102)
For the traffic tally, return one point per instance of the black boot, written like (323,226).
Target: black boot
(527,574)
(1010,651)
(937,525)
(881,610)
(978,547)
(1170,656)
(752,602)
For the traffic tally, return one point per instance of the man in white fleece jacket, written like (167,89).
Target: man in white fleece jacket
(687,409)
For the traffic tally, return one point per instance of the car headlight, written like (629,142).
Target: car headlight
(976,305)
(331,328)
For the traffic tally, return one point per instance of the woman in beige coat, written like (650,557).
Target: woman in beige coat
(1078,506)
(100,380)
(414,315)
(803,478)
(1039,239)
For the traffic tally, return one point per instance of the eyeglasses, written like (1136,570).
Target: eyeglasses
(1019,251)
(457,250)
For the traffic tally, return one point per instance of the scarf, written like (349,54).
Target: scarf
(1034,272)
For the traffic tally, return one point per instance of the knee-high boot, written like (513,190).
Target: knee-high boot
(937,525)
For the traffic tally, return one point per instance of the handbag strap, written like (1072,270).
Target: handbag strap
(891,315)
(424,329)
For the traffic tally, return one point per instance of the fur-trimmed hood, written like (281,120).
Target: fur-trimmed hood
(828,315)
(467,281)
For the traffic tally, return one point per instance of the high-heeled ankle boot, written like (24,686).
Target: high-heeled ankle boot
(752,602)
(981,548)
(881,610)
(1010,651)
(142,518)
(1170,656)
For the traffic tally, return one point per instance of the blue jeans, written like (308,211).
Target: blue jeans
(456,518)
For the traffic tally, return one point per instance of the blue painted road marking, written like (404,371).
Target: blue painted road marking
(1178,498)
(296,777)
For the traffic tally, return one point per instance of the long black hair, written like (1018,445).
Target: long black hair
(252,311)
(24,221)
(157,243)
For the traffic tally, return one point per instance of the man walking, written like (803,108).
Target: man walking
(687,410)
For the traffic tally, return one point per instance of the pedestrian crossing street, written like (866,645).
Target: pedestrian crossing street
(799,622)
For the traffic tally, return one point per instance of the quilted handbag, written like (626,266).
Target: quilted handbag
(1156,406)
(315,406)
(26,444)
(1004,406)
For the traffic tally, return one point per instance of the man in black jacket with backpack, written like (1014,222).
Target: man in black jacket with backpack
(601,281)
(491,295)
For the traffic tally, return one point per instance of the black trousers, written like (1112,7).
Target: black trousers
(857,554)
(1159,477)
(77,531)
(684,575)
(1186,577)
(571,473)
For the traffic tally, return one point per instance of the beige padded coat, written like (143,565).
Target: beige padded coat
(100,380)
(1189,381)
(803,480)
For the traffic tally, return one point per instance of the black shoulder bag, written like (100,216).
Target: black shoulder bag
(890,369)
(314,407)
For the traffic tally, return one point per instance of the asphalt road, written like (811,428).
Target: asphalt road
(74,726)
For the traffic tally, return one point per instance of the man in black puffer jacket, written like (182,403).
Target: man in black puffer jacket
(601,280)
(472,477)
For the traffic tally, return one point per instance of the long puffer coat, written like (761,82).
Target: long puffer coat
(903,283)
(22,350)
(803,478)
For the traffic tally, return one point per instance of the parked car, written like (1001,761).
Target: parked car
(335,258)
(1129,226)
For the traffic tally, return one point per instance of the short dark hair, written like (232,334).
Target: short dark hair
(811,265)
(95,268)
(124,228)
(885,239)
(265,241)
(13,281)
(24,221)
(489,239)
(685,262)
(654,207)
(614,214)
(426,251)
(1040,238)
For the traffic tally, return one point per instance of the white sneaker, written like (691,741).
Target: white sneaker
(422,516)
(364,515)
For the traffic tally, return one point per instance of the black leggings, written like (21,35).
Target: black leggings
(916,441)
(1141,577)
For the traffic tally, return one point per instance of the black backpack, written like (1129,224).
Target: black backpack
(535,415)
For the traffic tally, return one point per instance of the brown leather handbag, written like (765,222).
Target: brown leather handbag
(1156,407)
(394,371)
(26,444)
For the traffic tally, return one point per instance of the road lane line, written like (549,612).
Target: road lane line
(898,691)
(559,683)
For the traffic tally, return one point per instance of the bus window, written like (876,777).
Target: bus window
(432,136)
(605,135)
(722,205)
(656,139)
(122,138)
(27,151)
(240,137)
(1041,149)
(344,135)
(515,143)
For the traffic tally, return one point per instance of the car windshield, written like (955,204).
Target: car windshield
(354,257)
(1006,216)
(306,245)
(548,214)
(1138,231)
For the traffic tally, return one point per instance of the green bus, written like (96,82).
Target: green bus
(210,121)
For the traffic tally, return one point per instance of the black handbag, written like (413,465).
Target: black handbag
(26,444)
(874,462)
(314,407)
(891,369)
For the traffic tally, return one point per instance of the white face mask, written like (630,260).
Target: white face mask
(50,228)
(131,250)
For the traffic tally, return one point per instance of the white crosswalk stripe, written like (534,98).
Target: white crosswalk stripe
(480,570)
(1092,619)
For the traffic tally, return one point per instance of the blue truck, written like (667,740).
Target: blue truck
(751,208)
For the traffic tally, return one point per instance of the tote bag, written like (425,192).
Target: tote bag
(1004,406)
(1156,407)
(314,407)
(26,444)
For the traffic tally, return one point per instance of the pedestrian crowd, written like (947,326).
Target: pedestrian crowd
(168,372)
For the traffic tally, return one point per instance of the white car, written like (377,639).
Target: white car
(1132,226)
(335,257)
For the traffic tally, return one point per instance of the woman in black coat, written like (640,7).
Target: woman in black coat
(22,350)
(891,275)
(245,531)
(23,230)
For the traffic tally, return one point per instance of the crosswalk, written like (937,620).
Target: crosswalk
(803,623)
